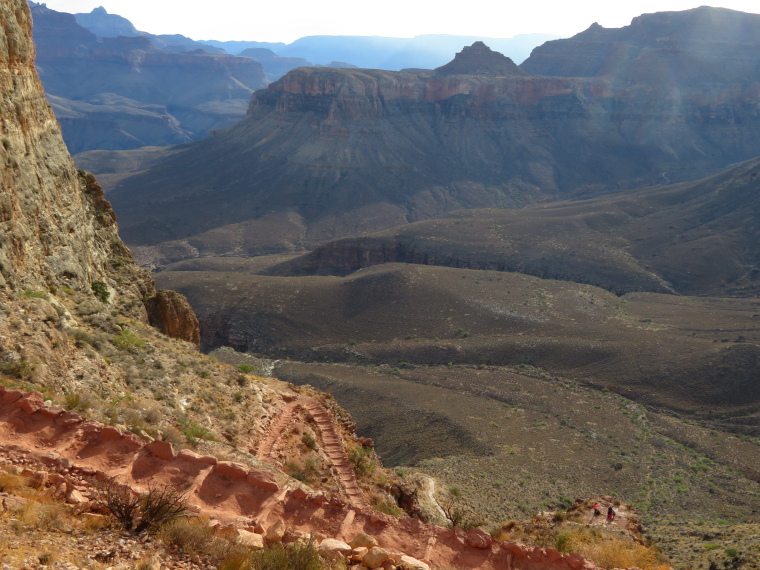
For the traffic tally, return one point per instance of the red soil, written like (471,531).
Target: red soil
(67,447)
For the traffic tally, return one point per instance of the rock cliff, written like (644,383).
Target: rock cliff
(124,92)
(57,230)
(337,153)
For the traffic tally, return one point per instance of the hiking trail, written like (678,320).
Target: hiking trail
(332,443)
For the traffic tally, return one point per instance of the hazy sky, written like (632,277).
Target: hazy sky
(288,21)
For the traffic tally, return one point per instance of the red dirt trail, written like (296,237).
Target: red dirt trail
(332,444)
(63,446)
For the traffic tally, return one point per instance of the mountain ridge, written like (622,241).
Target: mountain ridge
(335,153)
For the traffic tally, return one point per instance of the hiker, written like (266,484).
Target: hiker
(610,514)
(597,512)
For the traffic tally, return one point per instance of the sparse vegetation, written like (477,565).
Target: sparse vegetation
(129,341)
(100,290)
(141,512)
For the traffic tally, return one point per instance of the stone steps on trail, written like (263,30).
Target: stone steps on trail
(332,444)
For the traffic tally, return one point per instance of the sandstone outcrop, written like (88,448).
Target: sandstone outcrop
(170,313)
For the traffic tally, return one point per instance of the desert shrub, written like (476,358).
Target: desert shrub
(361,458)
(89,307)
(76,402)
(22,369)
(307,472)
(389,507)
(10,483)
(161,505)
(456,513)
(173,436)
(608,551)
(308,440)
(194,433)
(128,341)
(563,542)
(80,337)
(245,368)
(100,290)
(32,294)
(295,556)
(189,536)
(140,512)
(42,516)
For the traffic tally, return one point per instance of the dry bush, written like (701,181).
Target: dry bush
(94,523)
(609,551)
(48,517)
(10,483)
(507,530)
(295,556)
(196,537)
(141,512)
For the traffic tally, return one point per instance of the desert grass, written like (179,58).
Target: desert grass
(610,551)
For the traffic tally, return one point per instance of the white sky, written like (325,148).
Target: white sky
(282,21)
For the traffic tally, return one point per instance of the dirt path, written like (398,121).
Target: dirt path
(67,453)
(332,443)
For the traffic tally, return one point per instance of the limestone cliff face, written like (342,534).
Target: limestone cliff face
(57,230)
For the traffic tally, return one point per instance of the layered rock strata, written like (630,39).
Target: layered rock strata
(329,153)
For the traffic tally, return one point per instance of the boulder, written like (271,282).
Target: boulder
(250,539)
(193,457)
(334,550)
(263,479)
(12,396)
(409,563)
(364,540)
(110,432)
(75,498)
(375,557)
(161,449)
(232,469)
(358,553)
(276,532)
(38,479)
(478,538)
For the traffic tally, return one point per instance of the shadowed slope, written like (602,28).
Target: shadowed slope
(696,238)
(662,349)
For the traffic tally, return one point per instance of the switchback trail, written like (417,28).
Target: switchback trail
(332,443)
(66,453)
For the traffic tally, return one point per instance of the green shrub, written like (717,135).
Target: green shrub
(76,402)
(22,369)
(309,441)
(128,341)
(361,458)
(245,368)
(32,294)
(194,432)
(100,289)
(563,542)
